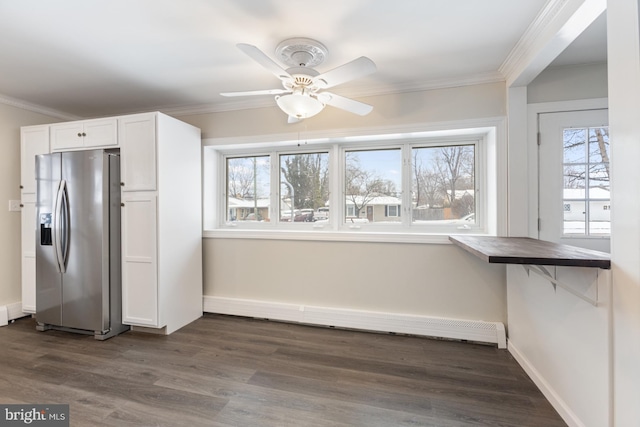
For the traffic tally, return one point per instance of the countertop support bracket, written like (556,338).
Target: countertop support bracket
(552,278)
(536,255)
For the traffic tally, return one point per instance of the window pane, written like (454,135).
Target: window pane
(600,218)
(443,188)
(304,187)
(575,145)
(599,145)
(574,181)
(574,217)
(599,182)
(373,182)
(248,189)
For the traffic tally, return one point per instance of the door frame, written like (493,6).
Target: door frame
(533,111)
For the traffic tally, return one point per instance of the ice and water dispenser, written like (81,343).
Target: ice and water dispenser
(45,229)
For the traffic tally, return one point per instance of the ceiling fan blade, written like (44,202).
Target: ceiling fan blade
(359,67)
(261,58)
(343,103)
(256,92)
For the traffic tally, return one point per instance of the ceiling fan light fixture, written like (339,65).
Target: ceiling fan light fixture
(299,105)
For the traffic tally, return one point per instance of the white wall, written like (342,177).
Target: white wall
(584,358)
(11,119)
(562,341)
(569,83)
(410,108)
(419,279)
(623,28)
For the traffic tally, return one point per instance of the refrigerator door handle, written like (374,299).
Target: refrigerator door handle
(55,233)
(66,231)
(60,235)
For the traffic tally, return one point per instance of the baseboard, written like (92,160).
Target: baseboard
(10,312)
(471,330)
(556,401)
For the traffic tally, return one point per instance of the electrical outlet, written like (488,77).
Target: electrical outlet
(14,206)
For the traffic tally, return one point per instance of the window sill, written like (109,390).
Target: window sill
(334,236)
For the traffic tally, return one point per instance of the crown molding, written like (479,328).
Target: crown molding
(24,105)
(557,25)
(536,30)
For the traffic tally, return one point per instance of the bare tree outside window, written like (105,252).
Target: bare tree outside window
(443,183)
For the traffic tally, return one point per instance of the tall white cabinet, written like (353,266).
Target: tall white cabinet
(161,202)
(34,140)
(161,221)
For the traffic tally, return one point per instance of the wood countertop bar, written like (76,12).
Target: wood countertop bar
(525,250)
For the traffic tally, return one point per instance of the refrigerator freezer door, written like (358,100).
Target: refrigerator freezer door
(85,296)
(48,275)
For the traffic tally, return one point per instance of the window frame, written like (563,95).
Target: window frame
(489,140)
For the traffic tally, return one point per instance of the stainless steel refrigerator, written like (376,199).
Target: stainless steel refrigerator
(78,263)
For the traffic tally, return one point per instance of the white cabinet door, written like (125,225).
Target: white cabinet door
(100,133)
(66,136)
(28,215)
(137,135)
(139,259)
(84,134)
(34,140)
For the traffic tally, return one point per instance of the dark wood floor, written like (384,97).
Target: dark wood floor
(230,371)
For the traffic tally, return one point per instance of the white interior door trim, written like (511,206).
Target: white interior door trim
(533,110)
(550,182)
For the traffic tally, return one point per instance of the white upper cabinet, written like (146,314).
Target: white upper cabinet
(34,140)
(137,135)
(84,134)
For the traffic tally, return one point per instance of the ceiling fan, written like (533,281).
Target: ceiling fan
(303,95)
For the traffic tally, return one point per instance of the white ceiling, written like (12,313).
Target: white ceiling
(106,57)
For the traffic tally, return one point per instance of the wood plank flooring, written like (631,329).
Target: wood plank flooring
(233,371)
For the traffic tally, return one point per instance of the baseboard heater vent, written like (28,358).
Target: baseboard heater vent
(10,312)
(469,330)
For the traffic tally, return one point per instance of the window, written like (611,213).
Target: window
(391,185)
(304,186)
(443,184)
(247,189)
(392,210)
(586,182)
(372,183)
